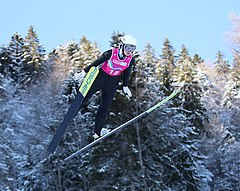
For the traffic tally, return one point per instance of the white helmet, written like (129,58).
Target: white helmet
(127,39)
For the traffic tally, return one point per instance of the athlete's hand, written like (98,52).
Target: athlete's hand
(127,91)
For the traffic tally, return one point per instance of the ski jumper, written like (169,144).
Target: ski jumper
(110,73)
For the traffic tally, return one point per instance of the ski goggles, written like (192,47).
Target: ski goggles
(129,48)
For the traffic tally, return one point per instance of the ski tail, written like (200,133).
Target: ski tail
(72,111)
(123,125)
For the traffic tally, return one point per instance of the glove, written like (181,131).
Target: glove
(79,76)
(127,91)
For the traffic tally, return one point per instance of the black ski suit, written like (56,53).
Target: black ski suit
(108,85)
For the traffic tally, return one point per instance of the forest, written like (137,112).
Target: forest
(191,143)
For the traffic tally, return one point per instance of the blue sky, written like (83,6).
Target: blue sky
(199,25)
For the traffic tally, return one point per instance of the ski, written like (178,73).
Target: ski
(123,125)
(72,111)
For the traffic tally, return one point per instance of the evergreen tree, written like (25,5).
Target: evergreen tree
(190,96)
(84,54)
(5,59)
(176,163)
(222,66)
(184,55)
(16,48)
(149,62)
(166,66)
(236,71)
(197,59)
(72,48)
(168,54)
(236,77)
(33,58)
(232,87)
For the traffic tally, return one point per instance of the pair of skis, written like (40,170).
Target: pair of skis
(123,125)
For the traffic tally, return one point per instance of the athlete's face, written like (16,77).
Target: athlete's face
(129,49)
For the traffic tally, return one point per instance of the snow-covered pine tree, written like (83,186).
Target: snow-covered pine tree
(11,57)
(233,86)
(235,75)
(33,58)
(182,157)
(149,62)
(84,54)
(222,67)
(5,59)
(71,48)
(190,96)
(16,48)
(197,59)
(165,67)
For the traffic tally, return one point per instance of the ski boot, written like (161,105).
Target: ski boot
(103,132)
